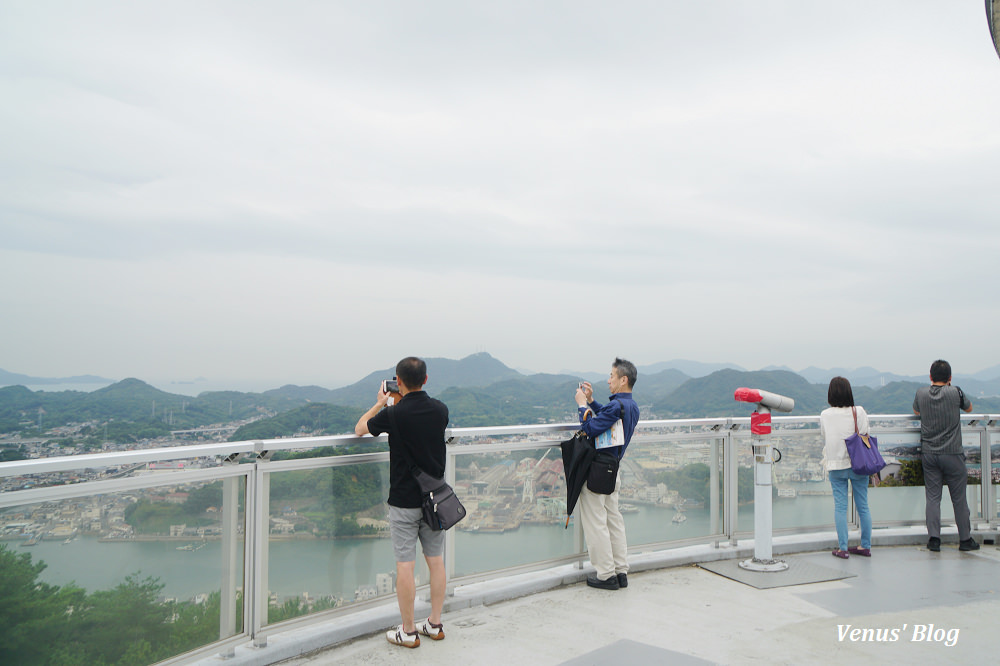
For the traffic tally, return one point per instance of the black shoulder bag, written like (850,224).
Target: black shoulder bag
(441,506)
(603,474)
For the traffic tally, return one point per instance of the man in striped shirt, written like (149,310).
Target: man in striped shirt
(942,454)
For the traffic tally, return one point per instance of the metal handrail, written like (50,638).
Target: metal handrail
(256,473)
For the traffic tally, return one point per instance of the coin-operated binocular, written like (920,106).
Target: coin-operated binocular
(763,455)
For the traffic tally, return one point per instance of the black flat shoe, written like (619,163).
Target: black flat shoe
(609,584)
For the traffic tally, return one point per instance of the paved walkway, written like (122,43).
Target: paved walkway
(688,615)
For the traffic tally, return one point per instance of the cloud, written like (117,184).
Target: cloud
(780,167)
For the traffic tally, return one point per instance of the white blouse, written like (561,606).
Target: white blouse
(835,425)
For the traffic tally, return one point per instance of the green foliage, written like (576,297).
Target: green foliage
(296,607)
(10,453)
(131,409)
(31,612)
(329,497)
(713,395)
(200,499)
(120,625)
(148,517)
(911,473)
(322,419)
(46,625)
(694,482)
(479,391)
(691,481)
(347,526)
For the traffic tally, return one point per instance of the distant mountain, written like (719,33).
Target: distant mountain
(651,387)
(689,368)
(823,375)
(479,390)
(133,401)
(988,374)
(978,385)
(442,373)
(713,395)
(314,418)
(14,379)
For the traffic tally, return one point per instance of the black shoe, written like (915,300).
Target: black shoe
(622,580)
(934,545)
(609,584)
(968,544)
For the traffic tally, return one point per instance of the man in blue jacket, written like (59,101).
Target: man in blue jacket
(603,525)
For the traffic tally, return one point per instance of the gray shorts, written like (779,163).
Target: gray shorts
(405,525)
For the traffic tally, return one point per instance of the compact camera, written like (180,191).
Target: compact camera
(390,386)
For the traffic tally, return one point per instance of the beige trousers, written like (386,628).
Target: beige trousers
(604,530)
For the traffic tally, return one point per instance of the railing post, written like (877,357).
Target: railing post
(260,598)
(227,600)
(731,498)
(991,497)
(449,535)
(713,487)
(987,505)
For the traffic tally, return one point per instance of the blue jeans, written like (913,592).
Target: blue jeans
(859,484)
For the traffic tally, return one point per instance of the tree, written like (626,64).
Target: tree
(121,622)
(31,612)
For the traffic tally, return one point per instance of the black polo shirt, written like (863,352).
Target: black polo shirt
(421,420)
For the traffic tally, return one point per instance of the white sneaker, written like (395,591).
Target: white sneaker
(433,631)
(399,637)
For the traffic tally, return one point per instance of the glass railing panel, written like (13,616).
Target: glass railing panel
(667,492)
(328,539)
(994,468)
(516,503)
(744,481)
(801,496)
(972,443)
(125,577)
(901,496)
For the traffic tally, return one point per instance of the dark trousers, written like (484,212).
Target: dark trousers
(948,469)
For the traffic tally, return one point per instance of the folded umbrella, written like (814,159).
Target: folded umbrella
(577,454)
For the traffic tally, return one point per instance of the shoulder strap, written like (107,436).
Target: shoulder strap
(855,412)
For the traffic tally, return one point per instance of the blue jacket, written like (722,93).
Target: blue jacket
(619,406)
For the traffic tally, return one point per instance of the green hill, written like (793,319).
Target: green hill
(319,419)
(478,389)
(476,370)
(713,395)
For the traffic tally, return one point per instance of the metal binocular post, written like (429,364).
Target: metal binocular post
(763,457)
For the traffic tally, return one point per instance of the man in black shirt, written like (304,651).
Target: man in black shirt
(416,426)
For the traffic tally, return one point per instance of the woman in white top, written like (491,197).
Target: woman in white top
(837,424)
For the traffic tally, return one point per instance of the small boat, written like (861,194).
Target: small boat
(679,517)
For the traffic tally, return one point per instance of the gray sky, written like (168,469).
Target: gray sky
(302,192)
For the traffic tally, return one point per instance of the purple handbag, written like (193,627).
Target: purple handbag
(863,450)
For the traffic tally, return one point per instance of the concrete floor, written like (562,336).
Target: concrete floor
(688,615)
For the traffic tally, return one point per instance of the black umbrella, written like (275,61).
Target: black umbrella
(577,454)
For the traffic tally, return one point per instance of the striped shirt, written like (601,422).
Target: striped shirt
(940,425)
